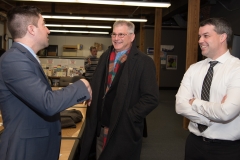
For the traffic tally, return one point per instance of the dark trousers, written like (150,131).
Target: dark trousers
(198,149)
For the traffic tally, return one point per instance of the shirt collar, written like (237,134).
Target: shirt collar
(31,51)
(223,58)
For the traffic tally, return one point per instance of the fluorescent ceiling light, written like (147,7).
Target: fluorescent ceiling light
(90,32)
(93,18)
(77,26)
(123,3)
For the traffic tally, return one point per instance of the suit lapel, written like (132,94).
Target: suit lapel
(27,53)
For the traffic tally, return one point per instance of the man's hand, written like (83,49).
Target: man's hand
(89,61)
(191,101)
(89,90)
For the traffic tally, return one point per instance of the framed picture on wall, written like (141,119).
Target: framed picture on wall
(171,62)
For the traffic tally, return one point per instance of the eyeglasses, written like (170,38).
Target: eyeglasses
(120,35)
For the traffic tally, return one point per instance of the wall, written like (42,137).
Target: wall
(230,11)
(86,41)
(178,38)
(2,35)
(54,62)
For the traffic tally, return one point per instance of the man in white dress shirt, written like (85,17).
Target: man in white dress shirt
(220,115)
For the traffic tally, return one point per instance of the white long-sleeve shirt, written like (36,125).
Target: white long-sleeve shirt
(222,119)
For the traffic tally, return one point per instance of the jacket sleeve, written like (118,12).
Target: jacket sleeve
(149,91)
(24,79)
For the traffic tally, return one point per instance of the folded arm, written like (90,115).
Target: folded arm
(228,106)
(183,101)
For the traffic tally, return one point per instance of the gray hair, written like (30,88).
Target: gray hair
(130,25)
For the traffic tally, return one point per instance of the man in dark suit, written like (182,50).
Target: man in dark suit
(125,91)
(30,109)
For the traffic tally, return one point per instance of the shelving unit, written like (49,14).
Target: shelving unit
(69,50)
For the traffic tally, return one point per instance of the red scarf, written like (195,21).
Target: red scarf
(112,71)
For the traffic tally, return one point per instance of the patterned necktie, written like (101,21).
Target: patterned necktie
(206,89)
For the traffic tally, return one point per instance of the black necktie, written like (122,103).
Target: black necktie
(206,89)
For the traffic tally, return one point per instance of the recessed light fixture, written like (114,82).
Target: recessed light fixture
(77,26)
(89,32)
(123,3)
(92,18)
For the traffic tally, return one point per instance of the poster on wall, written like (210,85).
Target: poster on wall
(164,50)
(171,62)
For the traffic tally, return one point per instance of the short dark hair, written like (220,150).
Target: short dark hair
(220,26)
(18,19)
(129,24)
(92,47)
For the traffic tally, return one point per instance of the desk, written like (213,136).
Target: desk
(68,149)
(71,137)
(80,105)
(75,132)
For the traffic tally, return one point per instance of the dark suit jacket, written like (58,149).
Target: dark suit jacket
(137,95)
(30,109)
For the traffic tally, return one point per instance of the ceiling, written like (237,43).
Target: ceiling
(173,17)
